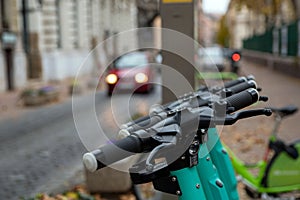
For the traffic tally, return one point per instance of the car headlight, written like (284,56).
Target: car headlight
(141,78)
(111,79)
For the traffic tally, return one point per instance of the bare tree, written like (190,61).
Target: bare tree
(296,5)
(275,12)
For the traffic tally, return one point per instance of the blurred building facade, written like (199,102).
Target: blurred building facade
(148,16)
(245,22)
(207,29)
(207,26)
(12,56)
(53,37)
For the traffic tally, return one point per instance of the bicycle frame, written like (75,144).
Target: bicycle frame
(242,169)
(270,169)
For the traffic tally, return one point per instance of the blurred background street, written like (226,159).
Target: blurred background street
(42,148)
(53,50)
(43,153)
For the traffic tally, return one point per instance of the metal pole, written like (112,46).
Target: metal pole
(26,43)
(178,15)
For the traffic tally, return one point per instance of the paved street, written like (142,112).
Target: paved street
(40,149)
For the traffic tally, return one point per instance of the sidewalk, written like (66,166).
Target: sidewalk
(286,64)
(9,105)
(11,102)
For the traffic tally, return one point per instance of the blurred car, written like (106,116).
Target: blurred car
(131,71)
(211,57)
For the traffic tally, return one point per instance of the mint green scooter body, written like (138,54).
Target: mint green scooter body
(188,179)
(212,184)
(204,181)
(222,162)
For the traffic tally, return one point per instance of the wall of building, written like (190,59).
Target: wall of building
(118,16)
(3,84)
(62,33)
(207,29)
(81,23)
(58,65)
(11,17)
(20,69)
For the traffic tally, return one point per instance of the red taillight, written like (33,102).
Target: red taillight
(236,57)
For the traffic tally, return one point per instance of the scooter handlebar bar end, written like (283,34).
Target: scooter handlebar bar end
(90,162)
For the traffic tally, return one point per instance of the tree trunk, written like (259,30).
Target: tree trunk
(296,5)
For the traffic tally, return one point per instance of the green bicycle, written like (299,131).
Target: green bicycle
(279,171)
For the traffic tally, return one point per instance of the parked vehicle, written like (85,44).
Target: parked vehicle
(211,58)
(132,71)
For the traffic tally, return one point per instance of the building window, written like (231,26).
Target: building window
(58,23)
(89,16)
(75,23)
(103,3)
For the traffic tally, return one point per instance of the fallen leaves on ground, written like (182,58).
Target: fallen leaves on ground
(79,193)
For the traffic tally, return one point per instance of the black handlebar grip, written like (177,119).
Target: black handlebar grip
(243,99)
(145,124)
(137,121)
(235,82)
(111,153)
(242,86)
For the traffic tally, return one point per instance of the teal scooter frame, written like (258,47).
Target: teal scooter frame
(204,181)
(212,178)
(216,184)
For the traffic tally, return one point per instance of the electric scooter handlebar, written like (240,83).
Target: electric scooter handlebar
(141,141)
(241,87)
(230,88)
(242,99)
(111,153)
(237,81)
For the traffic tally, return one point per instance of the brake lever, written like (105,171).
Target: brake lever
(167,137)
(157,150)
(232,118)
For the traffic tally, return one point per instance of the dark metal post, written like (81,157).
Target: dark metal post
(8,39)
(26,43)
(177,15)
(9,69)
